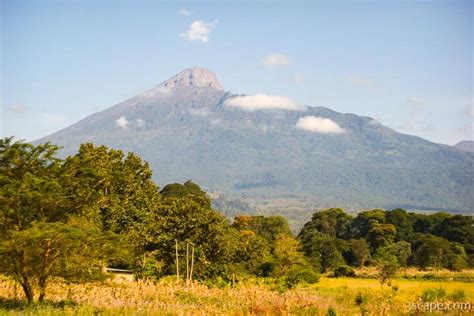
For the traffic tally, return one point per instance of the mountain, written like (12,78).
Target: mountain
(465,145)
(188,127)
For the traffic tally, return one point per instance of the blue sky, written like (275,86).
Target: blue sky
(408,64)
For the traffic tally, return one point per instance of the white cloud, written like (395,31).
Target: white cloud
(262,101)
(198,31)
(359,81)
(185,12)
(122,122)
(275,60)
(140,122)
(319,125)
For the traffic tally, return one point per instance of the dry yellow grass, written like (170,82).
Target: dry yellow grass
(127,297)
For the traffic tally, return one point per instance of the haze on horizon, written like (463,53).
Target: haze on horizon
(407,64)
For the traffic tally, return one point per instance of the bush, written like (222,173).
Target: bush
(331,312)
(359,299)
(433,294)
(344,271)
(265,269)
(458,295)
(429,276)
(217,282)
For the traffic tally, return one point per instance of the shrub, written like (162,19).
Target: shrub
(344,271)
(458,295)
(359,299)
(331,312)
(433,294)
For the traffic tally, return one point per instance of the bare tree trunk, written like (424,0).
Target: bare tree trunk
(177,260)
(187,263)
(25,284)
(42,288)
(192,265)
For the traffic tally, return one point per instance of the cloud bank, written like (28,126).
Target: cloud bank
(262,101)
(198,31)
(316,124)
(276,60)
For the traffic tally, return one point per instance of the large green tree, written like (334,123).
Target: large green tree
(37,204)
(188,220)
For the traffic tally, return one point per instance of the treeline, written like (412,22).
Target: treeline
(333,238)
(73,218)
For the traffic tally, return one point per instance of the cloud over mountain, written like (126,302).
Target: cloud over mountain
(319,125)
(122,122)
(262,101)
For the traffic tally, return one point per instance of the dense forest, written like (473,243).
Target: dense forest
(73,218)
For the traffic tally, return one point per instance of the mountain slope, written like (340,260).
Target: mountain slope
(186,129)
(465,145)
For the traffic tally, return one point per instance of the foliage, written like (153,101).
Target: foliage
(75,251)
(403,252)
(433,294)
(267,227)
(188,221)
(40,236)
(358,253)
(100,207)
(417,238)
(344,271)
(387,264)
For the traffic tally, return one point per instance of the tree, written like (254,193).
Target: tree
(333,222)
(402,221)
(430,251)
(380,235)
(457,258)
(251,251)
(428,224)
(403,252)
(126,193)
(39,197)
(186,220)
(365,220)
(267,227)
(387,264)
(359,251)
(178,190)
(287,254)
(75,251)
(30,186)
(458,228)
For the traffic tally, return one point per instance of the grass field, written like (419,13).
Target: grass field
(344,296)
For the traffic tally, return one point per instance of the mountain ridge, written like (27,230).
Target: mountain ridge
(465,145)
(190,132)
